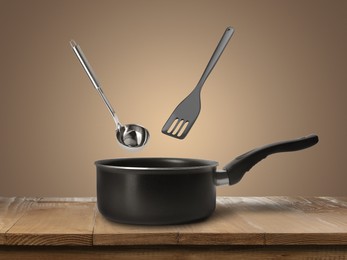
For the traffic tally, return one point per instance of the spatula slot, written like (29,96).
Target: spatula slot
(178,127)
(182,128)
(172,126)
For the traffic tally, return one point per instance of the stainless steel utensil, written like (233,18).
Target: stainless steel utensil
(183,117)
(129,136)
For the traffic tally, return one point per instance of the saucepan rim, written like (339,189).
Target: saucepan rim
(198,163)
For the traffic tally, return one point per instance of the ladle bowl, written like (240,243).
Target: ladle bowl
(132,136)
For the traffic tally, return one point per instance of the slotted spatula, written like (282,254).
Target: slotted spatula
(183,117)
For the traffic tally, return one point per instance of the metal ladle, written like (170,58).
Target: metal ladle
(130,136)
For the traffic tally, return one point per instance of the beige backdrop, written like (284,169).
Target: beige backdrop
(282,76)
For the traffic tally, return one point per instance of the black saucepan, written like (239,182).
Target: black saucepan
(161,191)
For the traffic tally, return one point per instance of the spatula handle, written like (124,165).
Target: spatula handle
(215,56)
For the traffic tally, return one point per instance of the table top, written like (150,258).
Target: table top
(236,221)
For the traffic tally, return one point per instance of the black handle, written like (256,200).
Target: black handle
(243,163)
(215,56)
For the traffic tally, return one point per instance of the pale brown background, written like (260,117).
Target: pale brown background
(282,76)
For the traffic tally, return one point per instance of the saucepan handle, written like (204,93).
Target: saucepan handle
(235,170)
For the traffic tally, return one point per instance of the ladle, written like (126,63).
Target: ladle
(129,136)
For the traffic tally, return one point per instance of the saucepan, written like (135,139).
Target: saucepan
(163,191)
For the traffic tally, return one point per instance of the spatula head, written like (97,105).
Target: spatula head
(183,117)
(177,128)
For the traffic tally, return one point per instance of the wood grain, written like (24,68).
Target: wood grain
(243,221)
(54,223)
(217,230)
(224,227)
(12,209)
(176,252)
(247,221)
(295,221)
(110,233)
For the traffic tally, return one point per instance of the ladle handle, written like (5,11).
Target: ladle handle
(91,74)
(243,163)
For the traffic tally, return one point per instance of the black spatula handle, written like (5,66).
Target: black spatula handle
(215,56)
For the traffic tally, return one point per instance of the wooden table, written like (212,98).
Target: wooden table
(243,227)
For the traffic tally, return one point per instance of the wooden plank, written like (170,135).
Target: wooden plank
(111,233)
(311,204)
(236,221)
(289,221)
(67,199)
(322,220)
(242,221)
(217,230)
(341,202)
(175,252)
(54,223)
(12,209)
(224,227)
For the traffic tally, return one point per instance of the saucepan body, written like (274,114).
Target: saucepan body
(162,191)
(156,191)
